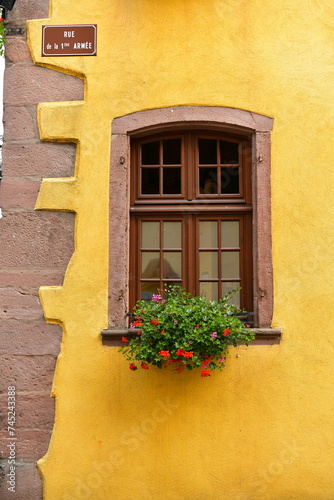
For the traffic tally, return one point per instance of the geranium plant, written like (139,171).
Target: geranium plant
(184,331)
(2,36)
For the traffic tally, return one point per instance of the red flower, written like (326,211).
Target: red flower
(145,366)
(133,367)
(124,339)
(155,321)
(138,322)
(1,20)
(198,326)
(205,372)
(226,332)
(164,354)
(179,369)
(207,361)
(139,333)
(185,354)
(162,332)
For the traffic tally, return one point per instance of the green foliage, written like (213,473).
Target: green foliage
(185,331)
(2,37)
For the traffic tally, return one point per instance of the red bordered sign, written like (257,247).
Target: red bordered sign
(69,40)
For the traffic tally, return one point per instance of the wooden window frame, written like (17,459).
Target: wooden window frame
(191,205)
(191,251)
(181,118)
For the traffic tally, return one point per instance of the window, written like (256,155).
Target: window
(191,215)
(190,190)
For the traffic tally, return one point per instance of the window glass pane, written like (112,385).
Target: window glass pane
(208,265)
(229,152)
(208,181)
(207,151)
(172,265)
(171,180)
(150,234)
(209,290)
(230,265)
(150,265)
(208,234)
(150,180)
(230,180)
(172,234)
(171,151)
(150,153)
(228,286)
(148,289)
(230,234)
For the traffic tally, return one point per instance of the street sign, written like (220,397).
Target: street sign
(69,40)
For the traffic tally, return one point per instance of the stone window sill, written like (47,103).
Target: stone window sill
(263,336)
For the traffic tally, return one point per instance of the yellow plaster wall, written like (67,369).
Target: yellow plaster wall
(263,428)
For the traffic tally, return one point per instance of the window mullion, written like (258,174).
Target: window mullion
(189,167)
(161,241)
(161,168)
(219,245)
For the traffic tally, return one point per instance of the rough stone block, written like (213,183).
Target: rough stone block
(30,84)
(17,50)
(31,411)
(30,443)
(36,240)
(19,124)
(25,9)
(28,483)
(43,159)
(19,304)
(29,337)
(32,278)
(18,193)
(27,373)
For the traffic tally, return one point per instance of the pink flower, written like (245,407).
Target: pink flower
(213,335)
(156,297)
(221,360)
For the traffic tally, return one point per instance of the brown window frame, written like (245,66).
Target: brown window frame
(190,254)
(190,206)
(189,150)
(234,121)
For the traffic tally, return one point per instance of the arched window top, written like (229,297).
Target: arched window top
(232,119)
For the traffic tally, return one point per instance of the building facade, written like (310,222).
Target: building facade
(170,152)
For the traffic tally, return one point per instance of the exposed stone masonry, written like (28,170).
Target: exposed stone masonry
(35,248)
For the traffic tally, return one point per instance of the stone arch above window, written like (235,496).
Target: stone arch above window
(229,120)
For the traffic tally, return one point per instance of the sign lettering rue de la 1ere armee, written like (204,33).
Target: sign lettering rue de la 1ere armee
(69,40)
